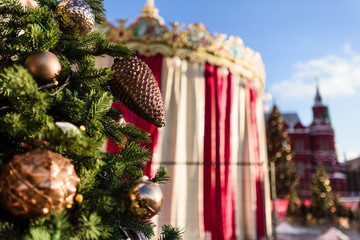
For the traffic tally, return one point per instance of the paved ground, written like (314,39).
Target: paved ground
(286,231)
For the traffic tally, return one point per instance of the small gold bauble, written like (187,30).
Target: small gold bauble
(79,198)
(43,66)
(82,128)
(35,183)
(144,200)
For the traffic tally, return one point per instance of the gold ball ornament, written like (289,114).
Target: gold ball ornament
(75,16)
(79,198)
(44,66)
(134,85)
(82,128)
(34,183)
(144,200)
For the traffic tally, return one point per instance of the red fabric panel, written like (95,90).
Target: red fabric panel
(155,64)
(218,191)
(260,211)
(228,181)
(210,210)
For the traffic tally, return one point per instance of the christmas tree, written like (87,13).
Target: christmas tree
(55,114)
(340,210)
(279,152)
(322,200)
(294,205)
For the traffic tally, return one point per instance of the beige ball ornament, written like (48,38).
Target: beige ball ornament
(44,66)
(35,183)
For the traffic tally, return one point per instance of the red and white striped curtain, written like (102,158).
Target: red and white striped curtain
(214,148)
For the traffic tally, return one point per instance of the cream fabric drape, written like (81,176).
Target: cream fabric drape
(242,156)
(237,138)
(181,146)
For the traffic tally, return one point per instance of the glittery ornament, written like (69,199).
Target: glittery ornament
(75,16)
(144,200)
(44,66)
(135,86)
(34,183)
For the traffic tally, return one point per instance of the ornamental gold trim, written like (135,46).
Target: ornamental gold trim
(148,36)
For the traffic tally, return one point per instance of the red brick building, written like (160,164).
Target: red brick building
(352,169)
(314,145)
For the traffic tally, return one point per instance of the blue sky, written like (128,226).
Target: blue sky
(298,41)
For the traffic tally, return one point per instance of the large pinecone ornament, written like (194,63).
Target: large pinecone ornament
(34,183)
(75,16)
(135,86)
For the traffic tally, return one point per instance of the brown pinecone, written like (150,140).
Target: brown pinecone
(134,85)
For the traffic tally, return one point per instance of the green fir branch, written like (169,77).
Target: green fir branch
(41,40)
(29,105)
(98,10)
(51,4)
(22,91)
(9,231)
(70,142)
(69,107)
(161,176)
(89,180)
(97,42)
(169,232)
(91,227)
(133,133)
(39,233)
(55,227)
(72,46)
(129,222)
(86,76)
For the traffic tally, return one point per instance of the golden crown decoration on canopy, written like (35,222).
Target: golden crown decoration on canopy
(149,36)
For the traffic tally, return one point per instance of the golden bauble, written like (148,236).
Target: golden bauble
(43,66)
(144,200)
(79,197)
(35,183)
(82,128)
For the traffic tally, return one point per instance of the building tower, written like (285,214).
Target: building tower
(322,142)
(314,145)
